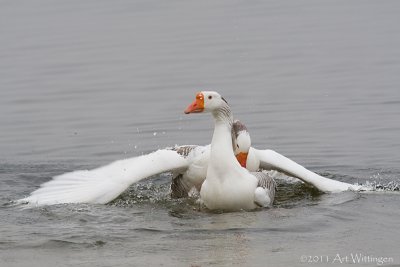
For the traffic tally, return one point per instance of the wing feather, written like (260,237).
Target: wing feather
(103,184)
(271,160)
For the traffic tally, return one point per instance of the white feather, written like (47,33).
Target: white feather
(105,183)
(261,197)
(271,160)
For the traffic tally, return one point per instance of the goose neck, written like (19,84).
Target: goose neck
(221,145)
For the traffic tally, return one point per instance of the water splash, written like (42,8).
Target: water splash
(378,186)
(381,181)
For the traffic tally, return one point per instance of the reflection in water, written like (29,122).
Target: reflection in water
(231,243)
(217,239)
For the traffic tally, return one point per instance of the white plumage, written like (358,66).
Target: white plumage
(189,165)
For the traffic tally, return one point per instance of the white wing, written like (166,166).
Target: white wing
(105,183)
(271,160)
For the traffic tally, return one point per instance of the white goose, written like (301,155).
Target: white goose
(187,163)
(228,186)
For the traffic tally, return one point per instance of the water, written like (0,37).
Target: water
(83,83)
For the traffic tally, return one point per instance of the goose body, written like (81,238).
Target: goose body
(227,186)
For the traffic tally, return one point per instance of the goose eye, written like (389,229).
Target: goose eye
(237,145)
(209,97)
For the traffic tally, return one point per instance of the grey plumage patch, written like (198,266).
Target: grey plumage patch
(237,127)
(178,187)
(224,114)
(267,182)
(184,150)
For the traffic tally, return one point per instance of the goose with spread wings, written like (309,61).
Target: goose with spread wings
(187,163)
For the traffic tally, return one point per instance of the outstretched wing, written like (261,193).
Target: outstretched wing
(103,184)
(271,160)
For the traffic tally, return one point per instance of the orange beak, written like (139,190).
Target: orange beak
(197,105)
(242,158)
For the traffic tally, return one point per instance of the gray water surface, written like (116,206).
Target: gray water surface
(84,83)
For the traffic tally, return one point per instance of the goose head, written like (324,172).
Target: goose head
(206,101)
(241,142)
